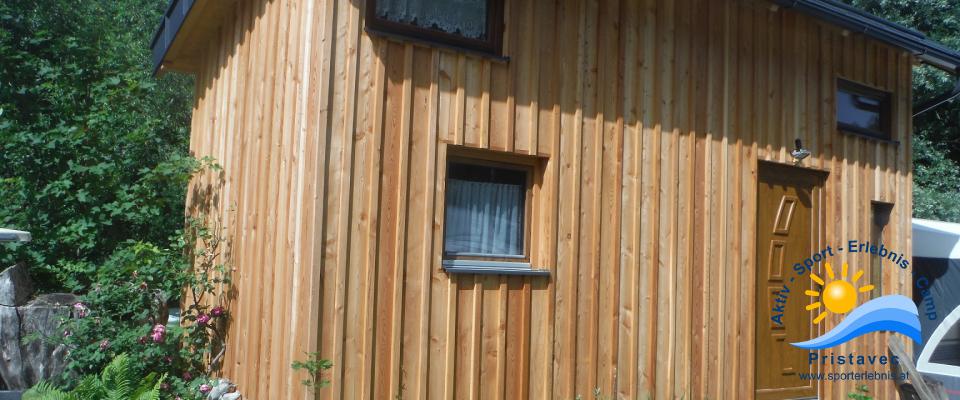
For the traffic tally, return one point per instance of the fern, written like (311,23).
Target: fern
(46,391)
(117,381)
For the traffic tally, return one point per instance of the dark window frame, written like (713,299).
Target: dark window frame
(880,212)
(492,45)
(521,165)
(886,110)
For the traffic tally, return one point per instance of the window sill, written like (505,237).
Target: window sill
(865,135)
(492,268)
(437,44)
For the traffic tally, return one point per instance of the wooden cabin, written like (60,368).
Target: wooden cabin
(533,199)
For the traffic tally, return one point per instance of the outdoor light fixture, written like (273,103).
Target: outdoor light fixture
(799,153)
(10,235)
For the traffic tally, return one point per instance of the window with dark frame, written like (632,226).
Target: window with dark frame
(486,211)
(881,218)
(863,110)
(470,24)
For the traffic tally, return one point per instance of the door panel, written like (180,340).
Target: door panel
(788,224)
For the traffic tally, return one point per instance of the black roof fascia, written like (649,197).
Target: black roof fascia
(170,25)
(831,11)
(856,20)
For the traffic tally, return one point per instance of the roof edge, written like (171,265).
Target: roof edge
(856,20)
(166,33)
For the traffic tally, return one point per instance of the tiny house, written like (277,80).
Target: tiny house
(544,199)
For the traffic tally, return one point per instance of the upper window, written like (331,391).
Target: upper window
(863,110)
(486,211)
(472,24)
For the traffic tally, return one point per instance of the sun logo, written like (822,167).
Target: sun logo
(839,296)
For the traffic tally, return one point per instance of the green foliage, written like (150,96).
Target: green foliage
(119,380)
(937,183)
(93,148)
(936,151)
(861,393)
(314,366)
(124,312)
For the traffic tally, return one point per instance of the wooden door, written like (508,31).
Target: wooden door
(788,227)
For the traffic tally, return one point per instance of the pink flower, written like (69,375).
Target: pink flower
(67,334)
(104,344)
(187,376)
(164,386)
(203,319)
(216,311)
(157,333)
(168,359)
(204,388)
(81,309)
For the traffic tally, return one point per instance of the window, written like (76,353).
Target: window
(863,110)
(471,24)
(487,209)
(881,217)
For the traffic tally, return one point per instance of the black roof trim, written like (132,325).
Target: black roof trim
(170,25)
(832,11)
(856,20)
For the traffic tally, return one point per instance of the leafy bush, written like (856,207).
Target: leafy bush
(124,313)
(936,183)
(119,380)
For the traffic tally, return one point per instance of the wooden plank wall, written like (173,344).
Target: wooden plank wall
(650,117)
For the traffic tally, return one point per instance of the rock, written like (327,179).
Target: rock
(11,361)
(224,390)
(15,286)
(25,364)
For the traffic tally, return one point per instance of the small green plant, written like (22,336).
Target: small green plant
(861,393)
(119,380)
(314,365)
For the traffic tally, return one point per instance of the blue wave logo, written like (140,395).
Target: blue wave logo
(888,313)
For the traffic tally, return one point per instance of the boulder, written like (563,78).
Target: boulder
(23,364)
(15,286)
(11,361)
(224,390)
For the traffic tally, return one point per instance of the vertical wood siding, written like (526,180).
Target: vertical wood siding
(650,117)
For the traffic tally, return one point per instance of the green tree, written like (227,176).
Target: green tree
(93,148)
(936,144)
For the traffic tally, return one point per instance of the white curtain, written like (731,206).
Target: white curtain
(464,17)
(484,218)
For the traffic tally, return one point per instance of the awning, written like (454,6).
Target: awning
(936,239)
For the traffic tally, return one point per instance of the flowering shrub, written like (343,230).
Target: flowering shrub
(125,313)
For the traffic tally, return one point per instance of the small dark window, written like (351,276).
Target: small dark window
(881,218)
(486,210)
(472,24)
(863,110)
